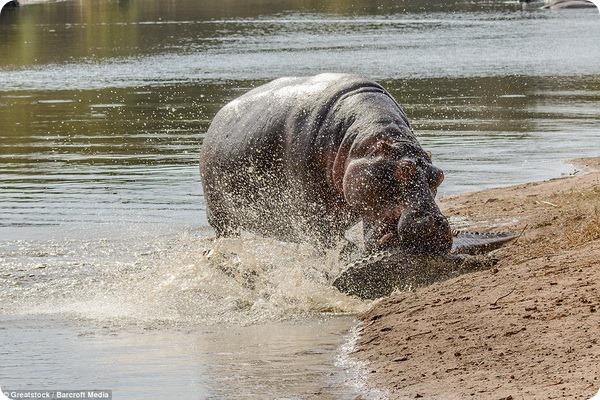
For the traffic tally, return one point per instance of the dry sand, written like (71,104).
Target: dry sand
(527,329)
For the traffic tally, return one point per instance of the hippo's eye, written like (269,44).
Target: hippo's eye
(406,170)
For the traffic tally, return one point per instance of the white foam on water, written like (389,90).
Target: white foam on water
(356,372)
(180,278)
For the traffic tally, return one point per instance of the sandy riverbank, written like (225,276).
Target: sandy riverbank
(527,329)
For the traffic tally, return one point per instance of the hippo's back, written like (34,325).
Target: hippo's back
(277,112)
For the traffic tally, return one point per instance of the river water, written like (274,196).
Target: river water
(110,277)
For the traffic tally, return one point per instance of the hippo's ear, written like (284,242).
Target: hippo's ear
(384,148)
(389,150)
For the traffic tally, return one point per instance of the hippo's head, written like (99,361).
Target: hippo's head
(393,187)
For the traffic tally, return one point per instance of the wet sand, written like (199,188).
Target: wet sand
(527,329)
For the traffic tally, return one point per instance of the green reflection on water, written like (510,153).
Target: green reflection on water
(67,31)
(122,126)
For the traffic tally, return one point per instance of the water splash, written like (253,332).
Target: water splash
(171,279)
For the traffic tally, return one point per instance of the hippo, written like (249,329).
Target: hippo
(303,159)
(8,4)
(571,4)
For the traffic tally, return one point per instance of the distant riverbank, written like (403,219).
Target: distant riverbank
(526,329)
